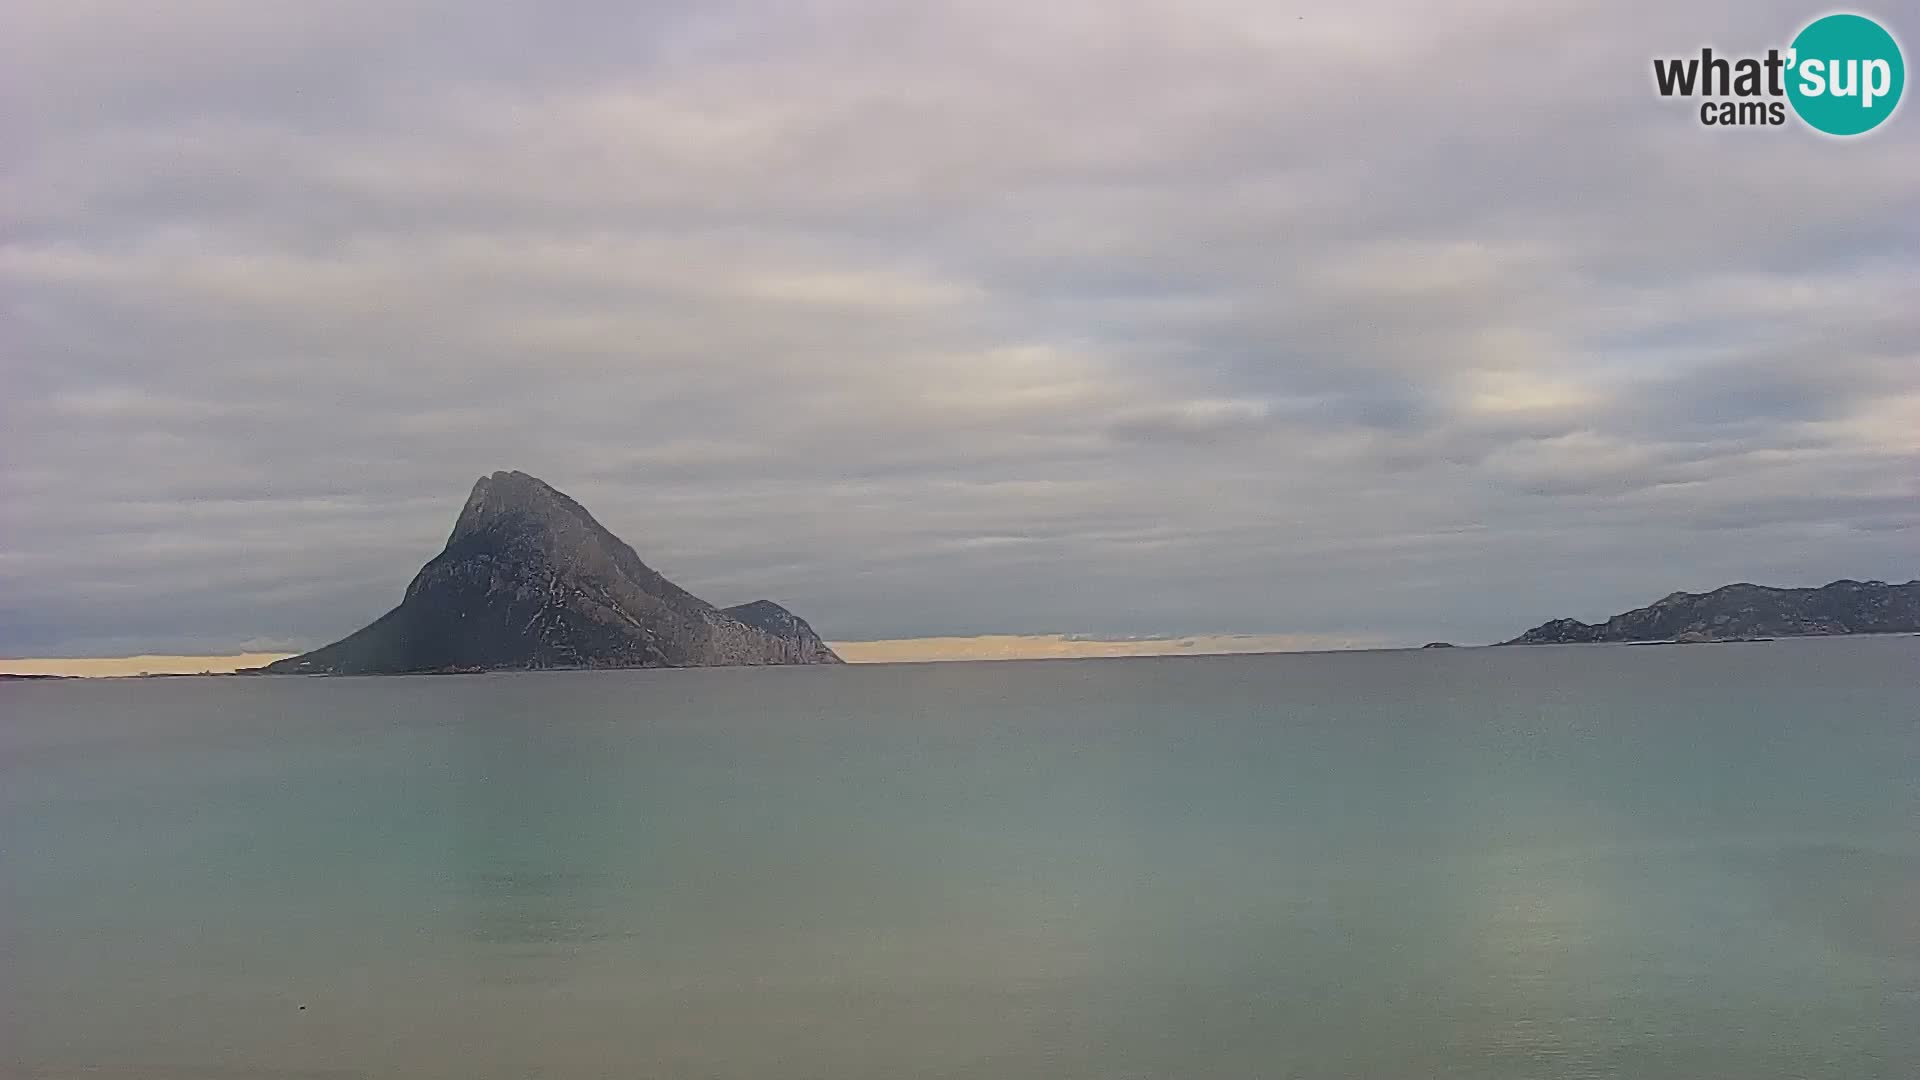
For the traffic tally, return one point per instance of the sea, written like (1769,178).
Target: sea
(1649,863)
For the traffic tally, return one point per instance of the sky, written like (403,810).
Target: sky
(1368,323)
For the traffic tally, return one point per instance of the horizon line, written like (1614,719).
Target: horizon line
(954,648)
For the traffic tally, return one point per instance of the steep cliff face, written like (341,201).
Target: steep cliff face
(1749,611)
(529,579)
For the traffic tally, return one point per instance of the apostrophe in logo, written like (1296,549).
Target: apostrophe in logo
(1846,74)
(1842,75)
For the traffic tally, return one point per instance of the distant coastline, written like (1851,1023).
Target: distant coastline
(123,667)
(1733,613)
(1747,612)
(206,670)
(950,649)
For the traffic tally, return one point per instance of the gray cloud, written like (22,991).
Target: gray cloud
(1127,319)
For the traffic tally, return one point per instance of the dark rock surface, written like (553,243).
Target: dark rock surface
(1742,612)
(529,579)
(1438,645)
(771,618)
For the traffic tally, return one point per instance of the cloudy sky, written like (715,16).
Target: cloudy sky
(1367,322)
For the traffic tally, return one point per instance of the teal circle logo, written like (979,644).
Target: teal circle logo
(1845,74)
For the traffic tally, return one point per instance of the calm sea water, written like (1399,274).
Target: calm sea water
(1692,862)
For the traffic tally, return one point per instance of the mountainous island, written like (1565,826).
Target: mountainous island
(529,579)
(1743,612)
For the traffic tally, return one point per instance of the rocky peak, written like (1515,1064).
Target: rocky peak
(764,614)
(771,618)
(529,579)
(513,496)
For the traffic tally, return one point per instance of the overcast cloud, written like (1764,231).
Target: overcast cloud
(1386,321)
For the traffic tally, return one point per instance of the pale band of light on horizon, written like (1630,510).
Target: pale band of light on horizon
(1065,646)
(898,651)
(113,666)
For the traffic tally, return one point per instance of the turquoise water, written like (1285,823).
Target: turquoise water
(1681,862)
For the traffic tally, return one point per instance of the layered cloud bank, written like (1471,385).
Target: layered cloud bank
(981,318)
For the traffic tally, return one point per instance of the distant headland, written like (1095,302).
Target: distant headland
(1746,612)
